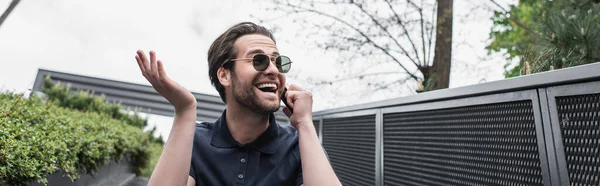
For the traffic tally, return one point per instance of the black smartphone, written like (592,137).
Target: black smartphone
(284,99)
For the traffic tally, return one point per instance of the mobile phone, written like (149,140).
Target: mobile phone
(284,99)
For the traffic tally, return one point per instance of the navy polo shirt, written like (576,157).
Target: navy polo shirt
(272,159)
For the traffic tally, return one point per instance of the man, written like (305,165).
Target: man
(244,146)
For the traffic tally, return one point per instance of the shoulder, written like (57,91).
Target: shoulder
(203,130)
(202,138)
(288,132)
(204,125)
(289,136)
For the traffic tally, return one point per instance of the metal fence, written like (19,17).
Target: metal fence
(541,129)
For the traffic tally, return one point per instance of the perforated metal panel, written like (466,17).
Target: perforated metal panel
(350,144)
(492,144)
(579,118)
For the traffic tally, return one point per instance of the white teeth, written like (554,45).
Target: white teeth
(267,85)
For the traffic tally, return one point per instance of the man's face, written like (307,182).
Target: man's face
(258,91)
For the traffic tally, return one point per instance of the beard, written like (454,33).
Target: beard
(245,95)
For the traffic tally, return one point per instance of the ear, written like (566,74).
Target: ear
(224,76)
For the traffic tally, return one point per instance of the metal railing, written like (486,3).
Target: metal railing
(540,129)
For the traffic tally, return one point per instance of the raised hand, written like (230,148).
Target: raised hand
(154,72)
(301,102)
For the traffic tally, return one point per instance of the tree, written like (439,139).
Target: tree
(8,10)
(443,45)
(376,33)
(547,35)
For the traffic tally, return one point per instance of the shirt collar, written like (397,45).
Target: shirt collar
(265,143)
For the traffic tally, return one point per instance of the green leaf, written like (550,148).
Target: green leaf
(70,133)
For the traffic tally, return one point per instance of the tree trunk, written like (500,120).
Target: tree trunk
(443,46)
(10,8)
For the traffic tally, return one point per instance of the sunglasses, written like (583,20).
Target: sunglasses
(261,62)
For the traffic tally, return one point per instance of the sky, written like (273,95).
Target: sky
(99,38)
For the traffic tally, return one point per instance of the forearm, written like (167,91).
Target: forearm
(174,163)
(316,169)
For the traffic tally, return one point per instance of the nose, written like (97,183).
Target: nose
(272,68)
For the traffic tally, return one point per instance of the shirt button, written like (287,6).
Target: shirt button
(243,160)
(240,176)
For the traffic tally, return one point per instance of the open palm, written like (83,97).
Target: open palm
(154,72)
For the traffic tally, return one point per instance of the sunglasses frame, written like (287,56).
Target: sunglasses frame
(280,68)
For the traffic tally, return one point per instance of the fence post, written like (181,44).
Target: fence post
(321,130)
(379,148)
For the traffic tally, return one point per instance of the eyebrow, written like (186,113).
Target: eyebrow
(260,51)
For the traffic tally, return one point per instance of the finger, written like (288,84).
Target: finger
(291,97)
(296,87)
(145,63)
(153,65)
(164,79)
(139,62)
(161,71)
(287,112)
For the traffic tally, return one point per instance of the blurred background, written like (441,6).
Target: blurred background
(345,52)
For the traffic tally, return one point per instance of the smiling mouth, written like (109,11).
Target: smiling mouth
(267,87)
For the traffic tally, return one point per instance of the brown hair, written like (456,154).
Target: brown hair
(222,50)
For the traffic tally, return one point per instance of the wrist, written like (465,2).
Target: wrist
(187,109)
(305,126)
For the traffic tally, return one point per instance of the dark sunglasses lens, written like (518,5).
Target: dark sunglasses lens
(284,64)
(261,62)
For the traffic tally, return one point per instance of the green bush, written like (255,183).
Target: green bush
(86,101)
(73,133)
(155,151)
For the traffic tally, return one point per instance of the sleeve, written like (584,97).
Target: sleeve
(193,160)
(192,171)
(299,180)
